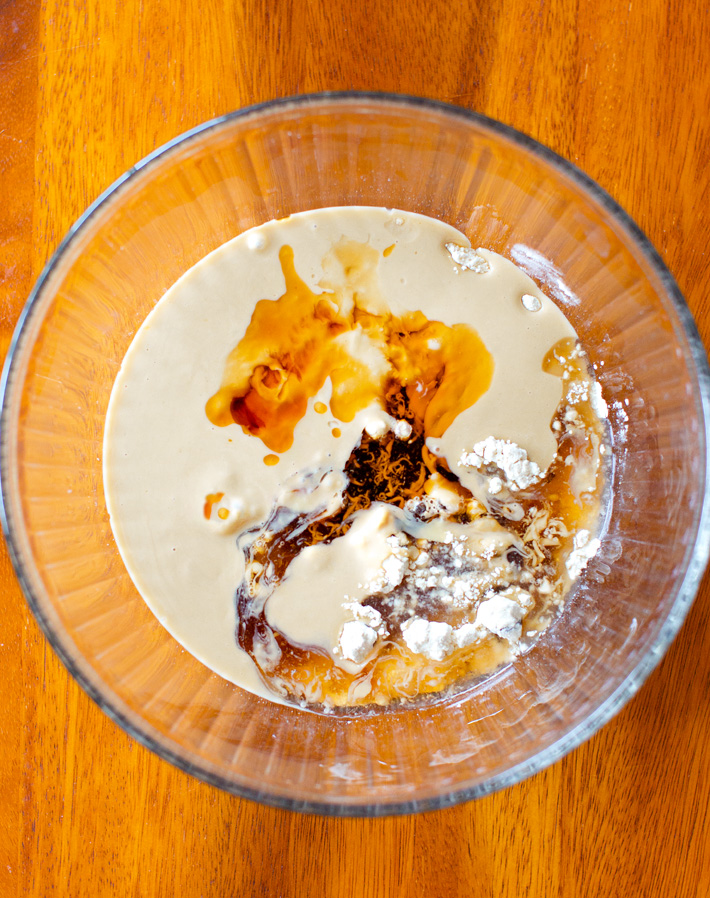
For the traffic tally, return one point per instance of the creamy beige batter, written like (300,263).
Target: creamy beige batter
(181,490)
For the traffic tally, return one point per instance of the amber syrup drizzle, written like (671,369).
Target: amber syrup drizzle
(291,347)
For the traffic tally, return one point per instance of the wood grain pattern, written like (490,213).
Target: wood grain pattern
(87,89)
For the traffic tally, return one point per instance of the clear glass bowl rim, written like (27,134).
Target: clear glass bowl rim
(697,554)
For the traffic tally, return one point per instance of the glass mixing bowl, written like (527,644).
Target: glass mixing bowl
(505,192)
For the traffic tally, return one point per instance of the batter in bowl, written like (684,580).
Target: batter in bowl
(349,460)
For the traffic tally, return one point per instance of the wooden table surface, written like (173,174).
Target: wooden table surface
(87,88)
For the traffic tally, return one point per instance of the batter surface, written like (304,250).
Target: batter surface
(350,460)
